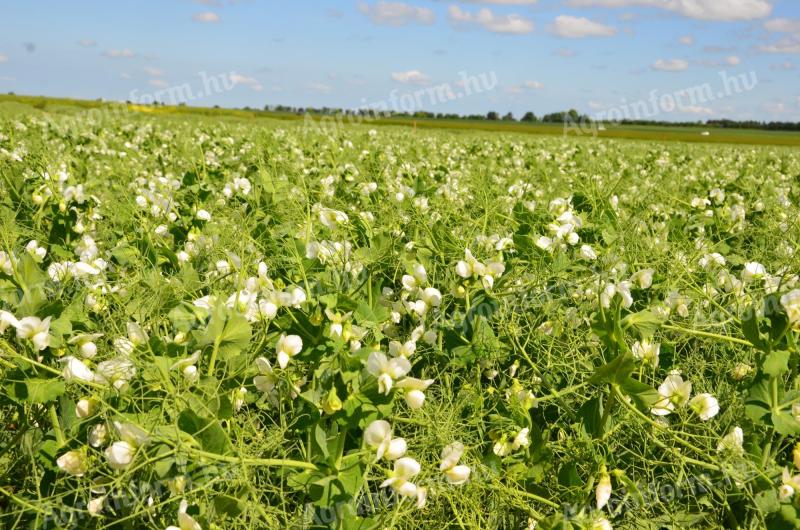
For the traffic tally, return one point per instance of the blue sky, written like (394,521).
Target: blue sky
(599,56)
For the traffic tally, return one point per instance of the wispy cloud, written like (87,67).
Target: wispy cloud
(319,88)
(513,24)
(206,17)
(250,82)
(412,77)
(571,27)
(154,72)
(396,13)
(87,43)
(697,9)
(3,58)
(671,65)
(123,53)
(525,86)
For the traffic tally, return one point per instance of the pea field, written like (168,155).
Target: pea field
(219,324)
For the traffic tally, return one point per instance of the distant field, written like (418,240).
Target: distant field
(24,104)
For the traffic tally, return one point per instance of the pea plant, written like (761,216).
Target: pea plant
(209,325)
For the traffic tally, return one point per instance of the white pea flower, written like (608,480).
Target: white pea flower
(76,370)
(86,407)
(121,453)
(387,371)
(753,271)
(587,253)
(705,405)
(117,371)
(85,343)
(454,473)
(601,523)
(646,351)
(265,382)
(414,390)
(521,439)
(791,304)
(95,506)
(674,392)
(732,442)
(37,253)
(7,320)
(431,296)
(643,278)
(98,435)
(35,329)
(238,398)
(188,366)
(402,349)
(602,492)
(287,347)
(136,334)
(378,435)
(203,215)
(185,521)
(399,479)
(72,462)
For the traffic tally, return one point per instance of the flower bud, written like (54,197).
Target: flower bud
(72,462)
(86,407)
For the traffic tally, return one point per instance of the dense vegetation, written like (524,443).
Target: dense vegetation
(221,324)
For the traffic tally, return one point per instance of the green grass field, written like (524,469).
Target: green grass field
(216,319)
(24,104)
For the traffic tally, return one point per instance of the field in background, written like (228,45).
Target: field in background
(25,104)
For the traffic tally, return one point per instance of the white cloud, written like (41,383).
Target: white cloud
(3,58)
(412,77)
(785,65)
(207,17)
(565,52)
(783,25)
(686,40)
(158,83)
(694,109)
(733,60)
(502,2)
(87,43)
(787,45)
(125,75)
(396,13)
(154,72)
(124,53)
(514,24)
(580,27)
(596,105)
(671,65)
(776,108)
(698,9)
(319,88)
(239,79)
(524,86)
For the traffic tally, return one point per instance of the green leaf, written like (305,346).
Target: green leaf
(614,372)
(644,322)
(642,394)
(36,390)
(208,432)
(751,330)
(229,330)
(591,414)
(785,423)
(776,363)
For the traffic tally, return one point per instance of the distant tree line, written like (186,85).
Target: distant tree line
(571,115)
